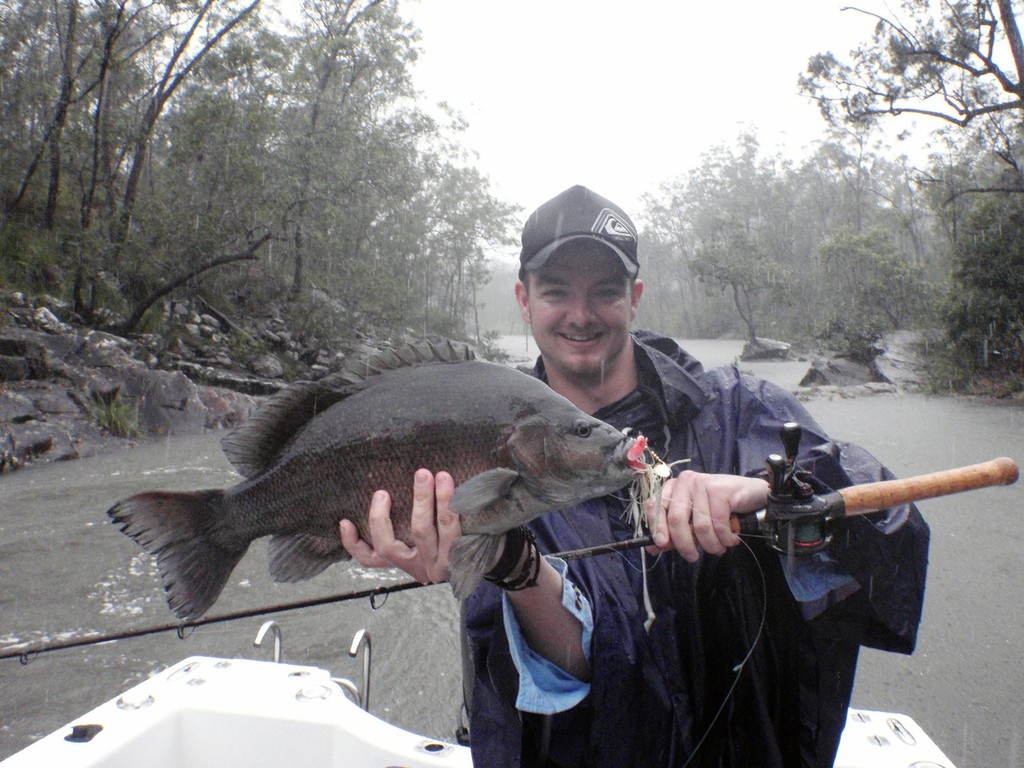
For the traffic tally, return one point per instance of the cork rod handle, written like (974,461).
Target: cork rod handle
(871,497)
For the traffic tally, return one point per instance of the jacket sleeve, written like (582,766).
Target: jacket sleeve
(886,553)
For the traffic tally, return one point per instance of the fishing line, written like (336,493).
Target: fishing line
(738,669)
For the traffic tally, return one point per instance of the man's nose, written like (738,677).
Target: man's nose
(580,310)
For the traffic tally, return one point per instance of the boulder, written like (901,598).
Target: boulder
(268,366)
(837,372)
(901,359)
(765,349)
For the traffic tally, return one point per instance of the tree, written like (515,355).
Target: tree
(959,62)
(985,320)
(871,289)
(186,53)
(947,61)
(734,258)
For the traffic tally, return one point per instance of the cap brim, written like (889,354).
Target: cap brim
(542,256)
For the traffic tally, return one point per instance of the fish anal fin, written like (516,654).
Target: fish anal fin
(300,556)
(469,558)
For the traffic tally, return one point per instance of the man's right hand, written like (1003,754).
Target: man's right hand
(434,527)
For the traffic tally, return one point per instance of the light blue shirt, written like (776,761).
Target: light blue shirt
(544,687)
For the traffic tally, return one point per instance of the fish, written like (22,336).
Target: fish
(316,452)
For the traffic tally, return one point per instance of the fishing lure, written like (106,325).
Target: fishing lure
(651,472)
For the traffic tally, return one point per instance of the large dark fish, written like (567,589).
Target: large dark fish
(317,451)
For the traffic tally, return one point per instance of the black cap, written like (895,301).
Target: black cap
(578,214)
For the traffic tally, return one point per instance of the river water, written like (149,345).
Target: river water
(66,572)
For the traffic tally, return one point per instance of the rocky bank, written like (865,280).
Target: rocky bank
(58,379)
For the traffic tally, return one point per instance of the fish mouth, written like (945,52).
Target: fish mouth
(634,449)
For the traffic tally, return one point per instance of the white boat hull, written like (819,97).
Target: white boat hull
(209,713)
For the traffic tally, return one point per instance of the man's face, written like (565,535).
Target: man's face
(579,307)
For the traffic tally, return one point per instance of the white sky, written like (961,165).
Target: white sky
(621,96)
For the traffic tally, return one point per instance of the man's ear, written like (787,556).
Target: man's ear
(638,289)
(523,299)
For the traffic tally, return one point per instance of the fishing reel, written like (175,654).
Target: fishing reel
(796,520)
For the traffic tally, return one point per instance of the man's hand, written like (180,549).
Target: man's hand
(695,512)
(434,527)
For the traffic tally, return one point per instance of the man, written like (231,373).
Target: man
(702,650)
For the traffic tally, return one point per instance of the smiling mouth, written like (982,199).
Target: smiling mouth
(581,339)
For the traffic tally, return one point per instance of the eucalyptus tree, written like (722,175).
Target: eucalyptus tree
(955,61)
(187,35)
(465,224)
(957,64)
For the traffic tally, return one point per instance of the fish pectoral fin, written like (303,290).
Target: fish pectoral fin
(301,556)
(481,491)
(468,560)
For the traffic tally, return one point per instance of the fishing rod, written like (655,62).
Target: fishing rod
(798,521)
(795,520)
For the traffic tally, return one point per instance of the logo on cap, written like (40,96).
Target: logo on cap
(610,225)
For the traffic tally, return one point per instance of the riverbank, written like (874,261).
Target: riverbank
(68,391)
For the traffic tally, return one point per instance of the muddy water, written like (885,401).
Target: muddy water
(65,572)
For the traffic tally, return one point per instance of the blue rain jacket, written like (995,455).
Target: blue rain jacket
(663,697)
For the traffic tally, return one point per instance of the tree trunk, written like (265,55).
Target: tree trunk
(249,254)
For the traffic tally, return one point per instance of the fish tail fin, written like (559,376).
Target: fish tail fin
(177,529)
(468,560)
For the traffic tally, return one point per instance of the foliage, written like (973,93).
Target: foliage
(945,60)
(119,417)
(985,316)
(734,258)
(154,151)
(771,236)
(954,62)
(871,289)
(162,147)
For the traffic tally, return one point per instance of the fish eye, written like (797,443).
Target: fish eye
(582,429)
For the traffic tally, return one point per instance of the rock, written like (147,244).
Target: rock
(16,408)
(268,366)
(49,416)
(13,368)
(765,349)
(188,378)
(226,409)
(901,359)
(46,320)
(168,402)
(837,371)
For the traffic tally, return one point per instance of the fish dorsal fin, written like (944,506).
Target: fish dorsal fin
(254,445)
